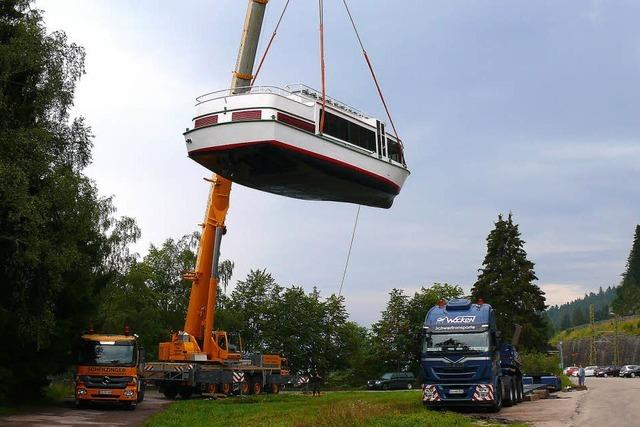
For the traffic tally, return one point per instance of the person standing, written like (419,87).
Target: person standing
(315,382)
(581,375)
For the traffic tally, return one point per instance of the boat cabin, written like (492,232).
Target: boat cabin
(269,138)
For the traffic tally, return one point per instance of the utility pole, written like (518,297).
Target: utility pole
(592,347)
(616,355)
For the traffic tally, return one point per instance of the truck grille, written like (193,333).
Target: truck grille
(454,373)
(105,381)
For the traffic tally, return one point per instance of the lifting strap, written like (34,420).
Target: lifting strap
(373,74)
(322,65)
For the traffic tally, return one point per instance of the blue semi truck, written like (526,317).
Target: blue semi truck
(464,362)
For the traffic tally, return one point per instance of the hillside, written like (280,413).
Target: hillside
(576,312)
(628,326)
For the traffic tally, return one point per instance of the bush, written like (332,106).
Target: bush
(540,363)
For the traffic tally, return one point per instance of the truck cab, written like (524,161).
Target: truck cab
(463,361)
(109,369)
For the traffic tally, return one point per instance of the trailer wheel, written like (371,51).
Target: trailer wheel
(212,388)
(275,388)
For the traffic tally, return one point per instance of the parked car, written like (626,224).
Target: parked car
(393,380)
(608,371)
(590,371)
(570,371)
(630,371)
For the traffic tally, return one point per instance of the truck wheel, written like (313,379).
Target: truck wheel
(170,392)
(519,390)
(385,386)
(497,399)
(508,393)
(275,388)
(141,392)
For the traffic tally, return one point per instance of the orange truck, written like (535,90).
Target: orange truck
(109,369)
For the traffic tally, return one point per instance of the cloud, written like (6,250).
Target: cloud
(557,293)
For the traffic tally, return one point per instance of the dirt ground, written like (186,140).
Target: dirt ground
(67,415)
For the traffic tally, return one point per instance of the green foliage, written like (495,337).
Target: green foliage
(329,410)
(576,312)
(630,326)
(59,243)
(396,337)
(151,296)
(506,282)
(540,363)
(628,295)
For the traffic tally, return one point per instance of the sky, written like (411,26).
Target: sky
(503,106)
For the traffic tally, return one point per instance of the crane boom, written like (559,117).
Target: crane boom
(199,337)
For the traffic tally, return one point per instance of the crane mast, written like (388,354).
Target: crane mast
(199,339)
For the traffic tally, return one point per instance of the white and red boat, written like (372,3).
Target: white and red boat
(269,138)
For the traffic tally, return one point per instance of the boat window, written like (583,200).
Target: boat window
(394,150)
(350,132)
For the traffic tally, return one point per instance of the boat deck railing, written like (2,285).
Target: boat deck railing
(297,90)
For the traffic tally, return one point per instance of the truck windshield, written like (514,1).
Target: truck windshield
(102,353)
(456,342)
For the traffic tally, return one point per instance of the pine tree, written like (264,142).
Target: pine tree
(628,294)
(506,282)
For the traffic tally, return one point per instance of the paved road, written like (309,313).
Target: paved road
(67,415)
(609,402)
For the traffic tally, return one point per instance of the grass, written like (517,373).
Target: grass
(627,327)
(360,408)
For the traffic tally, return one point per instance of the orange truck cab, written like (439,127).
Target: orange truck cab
(109,369)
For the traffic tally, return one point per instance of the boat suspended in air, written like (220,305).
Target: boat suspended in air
(269,139)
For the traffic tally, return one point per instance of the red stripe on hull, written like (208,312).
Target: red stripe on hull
(302,151)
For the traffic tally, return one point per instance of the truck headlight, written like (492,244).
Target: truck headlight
(128,393)
(82,391)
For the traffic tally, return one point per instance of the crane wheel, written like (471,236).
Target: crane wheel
(225,388)
(257,388)
(275,388)
(244,387)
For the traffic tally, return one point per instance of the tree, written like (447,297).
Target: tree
(566,322)
(391,334)
(252,301)
(627,299)
(506,281)
(418,306)
(151,296)
(59,241)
